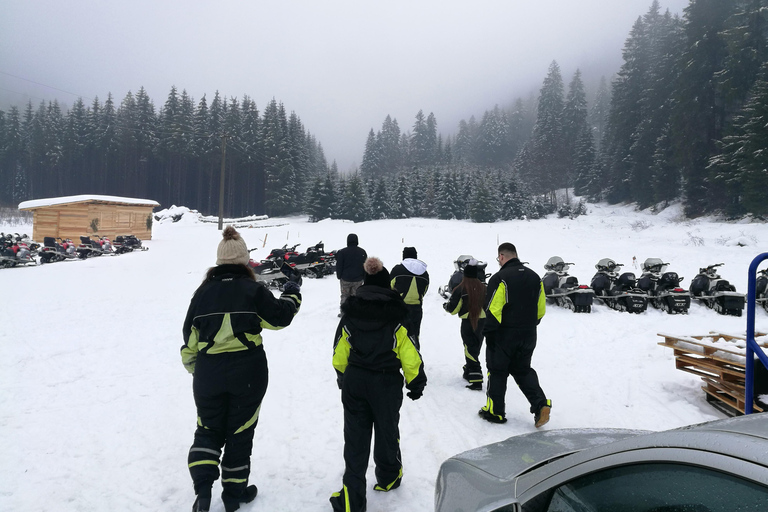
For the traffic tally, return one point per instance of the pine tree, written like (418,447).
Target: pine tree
(547,152)
(575,114)
(356,204)
(402,207)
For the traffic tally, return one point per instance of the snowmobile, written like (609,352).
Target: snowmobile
(54,251)
(14,252)
(564,290)
(311,263)
(619,292)
(273,272)
(761,289)
(329,258)
(716,293)
(88,248)
(663,287)
(458,274)
(128,243)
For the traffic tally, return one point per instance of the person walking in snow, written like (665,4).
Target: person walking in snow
(411,280)
(371,348)
(349,267)
(515,304)
(467,300)
(224,353)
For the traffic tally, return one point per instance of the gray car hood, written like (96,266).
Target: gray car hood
(514,456)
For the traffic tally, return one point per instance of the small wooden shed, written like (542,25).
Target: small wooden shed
(85,215)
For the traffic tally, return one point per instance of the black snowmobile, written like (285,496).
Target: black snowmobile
(716,293)
(761,289)
(459,264)
(619,292)
(311,263)
(128,243)
(54,251)
(565,290)
(663,287)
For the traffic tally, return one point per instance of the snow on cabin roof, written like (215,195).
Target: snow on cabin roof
(51,201)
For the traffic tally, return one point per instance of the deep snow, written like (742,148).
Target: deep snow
(96,409)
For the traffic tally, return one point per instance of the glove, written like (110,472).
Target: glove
(414,394)
(445,306)
(340,379)
(291,288)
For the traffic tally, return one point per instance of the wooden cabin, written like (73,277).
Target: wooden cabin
(86,215)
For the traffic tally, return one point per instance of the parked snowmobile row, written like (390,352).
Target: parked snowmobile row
(622,291)
(18,250)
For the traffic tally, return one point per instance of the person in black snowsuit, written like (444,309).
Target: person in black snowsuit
(371,348)
(467,300)
(411,280)
(224,353)
(515,304)
(349,267)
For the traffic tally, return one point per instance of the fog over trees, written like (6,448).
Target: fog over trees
(684,118)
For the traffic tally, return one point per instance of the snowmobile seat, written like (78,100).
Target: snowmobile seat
(645,283)
(85,240)
(724,286)
(49,241)
(669,280)
(627,280)
(571,281)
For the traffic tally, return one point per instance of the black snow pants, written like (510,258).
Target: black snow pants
(228,391)
(372,402)
(509,352)
(473,343)
(413,322)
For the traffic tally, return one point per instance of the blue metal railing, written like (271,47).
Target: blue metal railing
(752,346)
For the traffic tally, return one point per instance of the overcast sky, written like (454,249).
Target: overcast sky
(342,66)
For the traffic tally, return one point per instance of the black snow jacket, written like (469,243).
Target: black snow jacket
(349,261)
(228,312)
(371,335)
(515,298)
(411,280)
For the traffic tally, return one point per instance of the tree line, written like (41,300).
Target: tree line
(683,119)
(172,154)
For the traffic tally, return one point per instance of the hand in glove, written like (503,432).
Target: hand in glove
(414,394)
(291,288)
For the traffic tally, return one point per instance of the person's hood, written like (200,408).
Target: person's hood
(415,266)
(352,240)
(372,306)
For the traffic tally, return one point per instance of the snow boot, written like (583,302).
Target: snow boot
(202,501)
(232,502)
(542,417)
(489,416)
(475,386)
(387,488)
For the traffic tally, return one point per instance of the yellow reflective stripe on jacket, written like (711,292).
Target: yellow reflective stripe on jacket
(498,301)
(542,302)
(341,351)
(225,339)
(457,308)
(412,297)
(189,352)
(406,352)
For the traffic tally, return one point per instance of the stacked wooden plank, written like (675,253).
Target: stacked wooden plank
(719,359)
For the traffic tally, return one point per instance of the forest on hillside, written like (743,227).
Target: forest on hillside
(684,119)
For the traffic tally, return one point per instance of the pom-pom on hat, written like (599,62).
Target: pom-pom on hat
(409,252)
(471,269)
(375,273)
(232,249)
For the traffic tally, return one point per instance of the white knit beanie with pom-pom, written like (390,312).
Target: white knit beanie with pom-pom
(232,249)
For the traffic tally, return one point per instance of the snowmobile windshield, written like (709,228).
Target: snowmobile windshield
(654,265)
(556,263)
(606,264)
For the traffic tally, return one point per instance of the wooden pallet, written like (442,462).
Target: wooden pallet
(719,359)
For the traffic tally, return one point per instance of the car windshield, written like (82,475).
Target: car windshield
(660,487)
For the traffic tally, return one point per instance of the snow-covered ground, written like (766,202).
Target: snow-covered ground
(96,409)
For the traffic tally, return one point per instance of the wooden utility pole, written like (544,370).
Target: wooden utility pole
(221,182)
